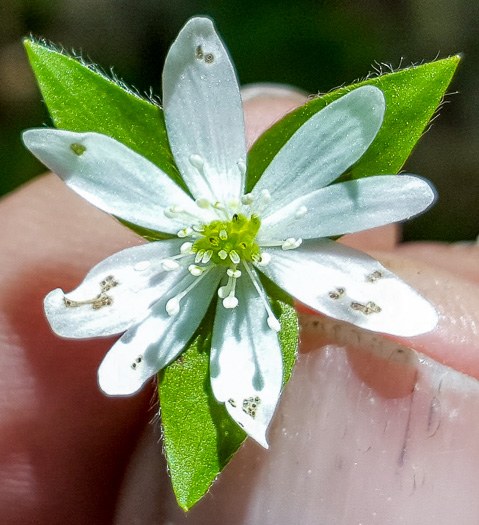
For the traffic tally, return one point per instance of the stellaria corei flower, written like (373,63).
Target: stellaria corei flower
(158,293)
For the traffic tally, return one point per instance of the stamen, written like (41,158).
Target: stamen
(291,243)
(300,212)
(173,211)
(223,235)
(207,256)
(196,271)
(222,254)
(197,162)
(186,247)
(223,291)
(247,199)
(241,167)
(264,260)
(235,258)
(273,323)
(142,266)
(227,292)
(173,305)
(177,212)
(169,265)
(199,256)
(203,203)
(185,232)
(231,301)
(265,198)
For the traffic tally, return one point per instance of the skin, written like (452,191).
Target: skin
(367,431)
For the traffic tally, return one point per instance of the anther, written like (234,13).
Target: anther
(185,232)
(223,235)
(264,260)
(291,243)
(236,274)
(241,167)
(265,197)
(186,247)
(199,256)
(197,162)
(195,271)
(173,307)
(173,211)
(247,199)
(141,266)
(230,301)
(273,323)
(207,256)
(203,203)
(169,265)
(222,254)
(235,258)
(300,212)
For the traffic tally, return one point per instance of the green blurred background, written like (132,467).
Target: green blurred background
(315,45)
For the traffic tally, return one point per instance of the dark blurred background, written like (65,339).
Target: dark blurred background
(315,45)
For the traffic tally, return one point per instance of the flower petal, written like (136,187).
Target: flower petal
(153,343)
(111,176)
(350,207)
(346,284)
(204,112)
(134,278)
(246,362)
(324,147)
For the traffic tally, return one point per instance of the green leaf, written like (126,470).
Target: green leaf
(80,98)
(200,437)
(412,97)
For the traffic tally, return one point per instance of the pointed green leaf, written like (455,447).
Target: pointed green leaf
(80,98)
(412,97)
(200,437)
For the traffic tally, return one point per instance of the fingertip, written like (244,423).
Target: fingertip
(265,104)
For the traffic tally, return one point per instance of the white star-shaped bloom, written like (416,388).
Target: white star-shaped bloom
(222,239)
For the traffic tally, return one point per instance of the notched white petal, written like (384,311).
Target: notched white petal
(111,176)
(159,338)
(323,148)
(115,294)
(204,113)
(350,207)
(246,363)
(346,284)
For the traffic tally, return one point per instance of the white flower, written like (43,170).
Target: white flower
(158,293)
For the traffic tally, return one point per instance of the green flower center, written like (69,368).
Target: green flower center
(226,242)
